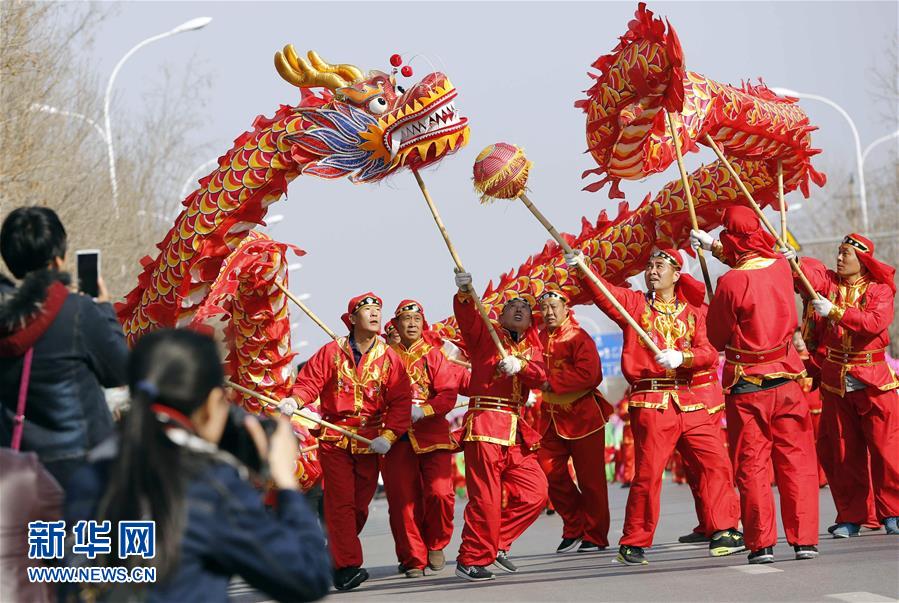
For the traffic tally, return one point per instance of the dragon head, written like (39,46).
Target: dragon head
(367,126)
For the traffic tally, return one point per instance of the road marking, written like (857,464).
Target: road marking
(861,597)
(755,569)
(684,547)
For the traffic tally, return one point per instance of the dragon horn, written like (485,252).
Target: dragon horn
(315,71)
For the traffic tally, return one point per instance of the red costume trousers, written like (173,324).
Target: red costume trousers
(865,422)
(490,527)
(774,426)
(350,483)
(420,501)
(624,461)
(816,428)
(657,432)
(692,475)
(583,507)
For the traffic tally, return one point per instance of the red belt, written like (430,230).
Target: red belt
(356,421)
(660,384)
(491,403)
(703,378)
(864,357)
(735,356)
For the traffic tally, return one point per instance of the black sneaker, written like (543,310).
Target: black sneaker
(590,547)
(694,538)
(764,555)
(726,542)
(804,551)
(504,563)
(568,544)
(631,555)
(474,573)
(348,578)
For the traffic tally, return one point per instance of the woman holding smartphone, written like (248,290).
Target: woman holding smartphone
(165,466)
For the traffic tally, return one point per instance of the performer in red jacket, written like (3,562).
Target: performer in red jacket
(856,304)
(363,388)
(573,427)
(752,318)
(498,444)
(418,472)
(665,413)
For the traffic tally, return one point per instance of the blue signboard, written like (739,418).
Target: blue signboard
(609,346)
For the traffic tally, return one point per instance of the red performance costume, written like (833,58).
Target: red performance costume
(752,319)
(573,427)
(859,385)
(707,389)
(418,470)
(370,396)
(664,411)
(498,444)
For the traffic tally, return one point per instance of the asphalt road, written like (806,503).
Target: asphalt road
(854,570)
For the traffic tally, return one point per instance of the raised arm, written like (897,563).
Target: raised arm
(632,301)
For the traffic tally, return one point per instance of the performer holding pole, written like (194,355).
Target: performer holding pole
(497,443)
(364,389)
(418,476)
(665,413)
(573,422)
(752,319)
(856,310)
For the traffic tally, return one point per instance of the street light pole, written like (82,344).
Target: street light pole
(858,144)
(191,25)
(54,111)
(880,140)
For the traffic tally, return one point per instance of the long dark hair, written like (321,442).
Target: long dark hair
(169,370)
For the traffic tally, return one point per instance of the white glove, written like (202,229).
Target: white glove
(670,359)
(310,414)
(573,258)
(822,307)
(417,413)
(380,444)
(700,238)
(531,401)
(788,252)
(510,365)
(463,280)
(288,406)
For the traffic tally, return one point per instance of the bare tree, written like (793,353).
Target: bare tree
(59,160)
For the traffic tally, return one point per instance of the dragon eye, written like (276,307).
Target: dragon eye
(377,105)
(400,89)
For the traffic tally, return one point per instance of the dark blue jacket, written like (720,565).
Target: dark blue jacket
(228,532)
(76,355)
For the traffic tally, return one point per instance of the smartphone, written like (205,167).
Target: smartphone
(88,271)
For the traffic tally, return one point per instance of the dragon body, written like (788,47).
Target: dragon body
(637,84)
(211,263)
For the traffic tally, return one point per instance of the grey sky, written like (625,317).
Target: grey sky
(518,67)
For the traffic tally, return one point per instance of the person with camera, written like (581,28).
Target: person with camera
(166,466)
(58,349)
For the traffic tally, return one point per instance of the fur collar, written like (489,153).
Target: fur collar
(19,305)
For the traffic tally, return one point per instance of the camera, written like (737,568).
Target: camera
(238,441)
